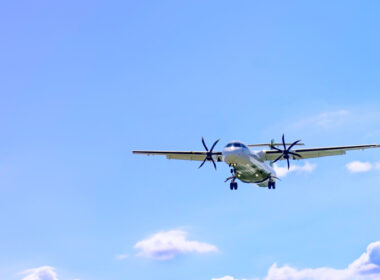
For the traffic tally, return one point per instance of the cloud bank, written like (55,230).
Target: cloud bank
(366,267)
(360,166)
(167,245)
(283,171)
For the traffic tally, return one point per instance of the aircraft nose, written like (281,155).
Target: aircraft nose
(230,157)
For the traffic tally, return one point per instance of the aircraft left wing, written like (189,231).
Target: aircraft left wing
(317,152)
(184,155)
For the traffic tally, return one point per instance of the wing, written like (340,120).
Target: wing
(317,152)
(199,156)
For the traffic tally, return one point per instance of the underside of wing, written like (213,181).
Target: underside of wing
(317,152)
(198,156)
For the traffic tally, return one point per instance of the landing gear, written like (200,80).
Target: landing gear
(233,185)
(271,185)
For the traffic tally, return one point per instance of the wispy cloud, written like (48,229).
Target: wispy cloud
(324,120)
(122,257)
(227,277)
(166,245)
(366,267)
(360,166)
(283,171)
(40,273)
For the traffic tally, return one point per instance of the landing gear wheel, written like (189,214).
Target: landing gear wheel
(233,186)
(271,185)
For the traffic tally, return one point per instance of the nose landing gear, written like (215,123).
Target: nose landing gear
(233,184)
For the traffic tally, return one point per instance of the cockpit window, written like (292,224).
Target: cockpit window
(237,145)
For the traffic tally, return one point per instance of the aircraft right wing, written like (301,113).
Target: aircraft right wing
(317,152)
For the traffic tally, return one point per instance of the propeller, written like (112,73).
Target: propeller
(209,153)
(286,151)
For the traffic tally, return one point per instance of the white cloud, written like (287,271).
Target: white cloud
(290,273)
(366,267)
(283,171)
(40,273)
(166,245)
(360,166)
(227,277)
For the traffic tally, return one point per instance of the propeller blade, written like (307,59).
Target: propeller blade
(291,146)
(283,142)
(277,159)
(213,146)
(295,154)
(204,144)
(213,162)
(202,163)
(288,163)
(275,148)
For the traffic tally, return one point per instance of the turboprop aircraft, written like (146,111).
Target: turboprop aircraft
(255,166)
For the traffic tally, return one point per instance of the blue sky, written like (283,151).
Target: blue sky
(84,83)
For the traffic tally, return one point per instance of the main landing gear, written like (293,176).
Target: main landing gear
(271,184)
(233,184)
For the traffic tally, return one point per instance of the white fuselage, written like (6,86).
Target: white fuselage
(249,165)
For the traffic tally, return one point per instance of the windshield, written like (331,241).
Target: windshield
(237,145)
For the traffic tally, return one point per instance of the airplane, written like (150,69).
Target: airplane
(255,166)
